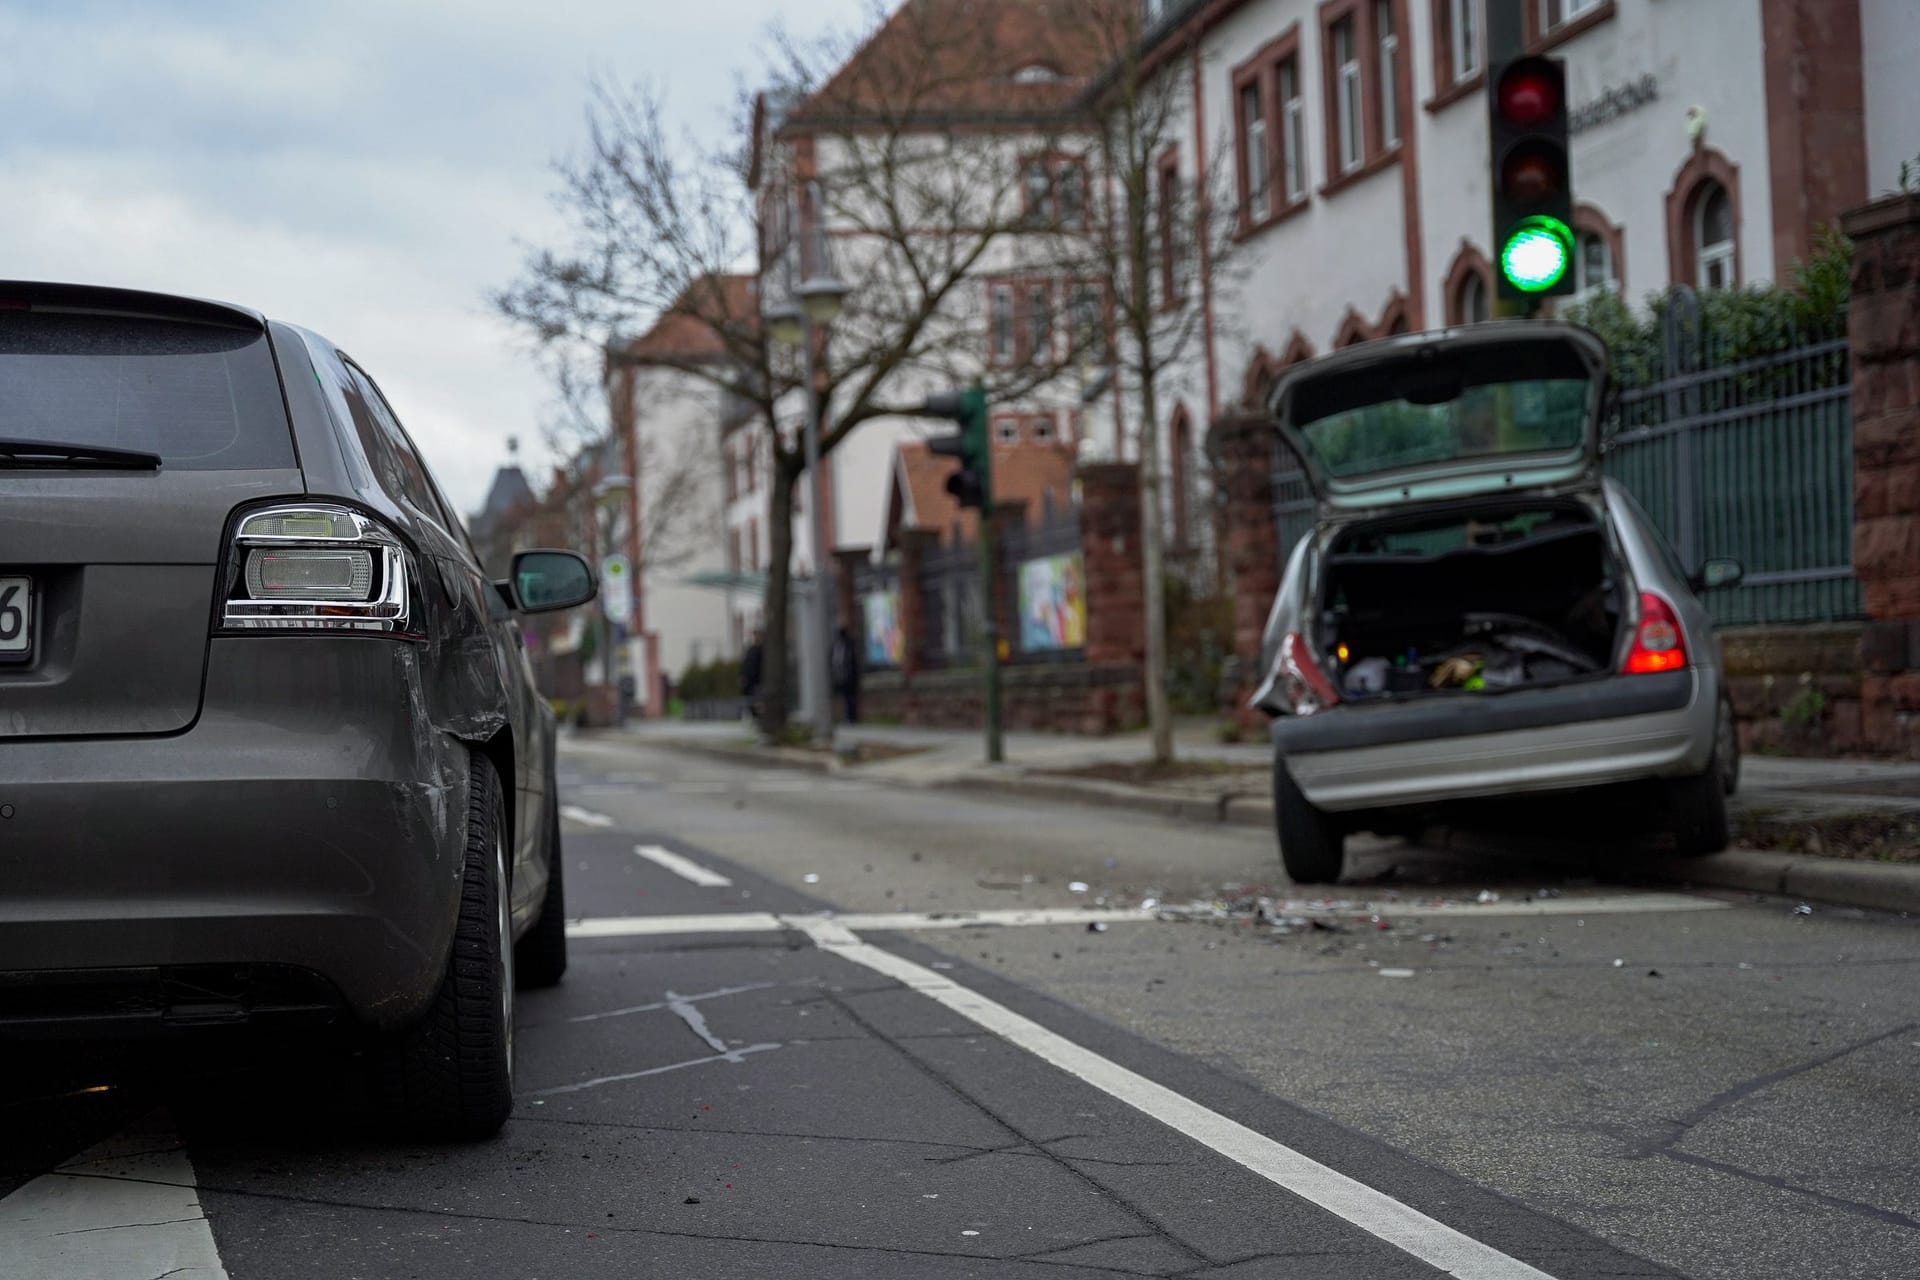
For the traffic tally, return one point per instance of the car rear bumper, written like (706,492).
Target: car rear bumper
(309,818)
(1410,754)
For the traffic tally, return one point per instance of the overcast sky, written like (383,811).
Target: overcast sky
(363,167)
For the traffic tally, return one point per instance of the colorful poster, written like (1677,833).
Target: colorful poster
(885,645)
(1053,604)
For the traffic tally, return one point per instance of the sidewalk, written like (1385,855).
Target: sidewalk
(1834,830)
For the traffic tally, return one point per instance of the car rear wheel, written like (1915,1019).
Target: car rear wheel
(541,957)
(450,1075)
(1312,843)
(1699,808)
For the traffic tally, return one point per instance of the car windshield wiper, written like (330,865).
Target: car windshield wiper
(47,453)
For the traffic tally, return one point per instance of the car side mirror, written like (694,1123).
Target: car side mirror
(544,581)
(1718,573)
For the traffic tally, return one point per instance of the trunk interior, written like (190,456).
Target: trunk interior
(1502,597)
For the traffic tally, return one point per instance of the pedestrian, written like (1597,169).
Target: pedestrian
(751,664)
(846,673)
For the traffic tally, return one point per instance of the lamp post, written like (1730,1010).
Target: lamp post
(817,301)
(607,495)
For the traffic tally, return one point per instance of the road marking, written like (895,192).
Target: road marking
(585,817)
(685,868)
(650,926)
(731,1056)
(126,1209)
(662,1004)
(1374,1212)
(1606,905)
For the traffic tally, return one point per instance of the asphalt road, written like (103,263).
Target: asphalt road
(1578,1079)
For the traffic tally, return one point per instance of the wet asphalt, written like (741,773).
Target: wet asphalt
(747,1104)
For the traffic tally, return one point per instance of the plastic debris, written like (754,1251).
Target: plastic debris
(691,1200)
(1148,904)
(810,878)
(1096,926)
(1803,910)
(1486,896)
(969,1233)
(1619,963)
(1077,886)
(1396,973)
(1654,973)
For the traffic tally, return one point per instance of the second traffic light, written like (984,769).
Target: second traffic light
(972,484)
(1532,179)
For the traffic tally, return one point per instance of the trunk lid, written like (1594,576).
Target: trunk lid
(1432,417)
(107,561)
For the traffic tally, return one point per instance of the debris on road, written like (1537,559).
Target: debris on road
(1076,886)
(812,877)
(1396,973)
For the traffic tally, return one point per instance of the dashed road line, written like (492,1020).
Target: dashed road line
(684,867)
(585,817)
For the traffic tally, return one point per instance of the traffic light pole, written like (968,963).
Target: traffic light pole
(972,486)
(996,751)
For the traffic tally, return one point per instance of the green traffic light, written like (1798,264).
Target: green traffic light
(1537,254)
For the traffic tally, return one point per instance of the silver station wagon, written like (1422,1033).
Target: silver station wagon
(1478,612)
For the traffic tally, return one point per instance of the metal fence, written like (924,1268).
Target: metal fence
(1750,458)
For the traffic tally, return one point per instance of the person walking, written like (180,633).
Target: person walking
(845,665)
(752,665)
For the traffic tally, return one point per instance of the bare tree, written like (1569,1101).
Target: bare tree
(902,154)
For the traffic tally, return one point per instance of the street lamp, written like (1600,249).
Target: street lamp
(607,494)
(790,323)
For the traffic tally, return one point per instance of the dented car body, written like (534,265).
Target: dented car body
(1477,612)
(256,675)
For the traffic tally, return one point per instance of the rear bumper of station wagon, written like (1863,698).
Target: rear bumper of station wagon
(1460,748)
(309,824)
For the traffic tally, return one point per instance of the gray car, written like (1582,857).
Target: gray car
(1478,612)
(270,748)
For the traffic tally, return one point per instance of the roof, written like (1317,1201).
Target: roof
(690,328)
(960,59)
(1024,473)
(510,490)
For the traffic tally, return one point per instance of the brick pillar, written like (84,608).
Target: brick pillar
(1883,330)
(848,561)
(1110,545)
(1008,515)
(1242,448)
(914,545)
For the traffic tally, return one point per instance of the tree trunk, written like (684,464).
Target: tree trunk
(786,471)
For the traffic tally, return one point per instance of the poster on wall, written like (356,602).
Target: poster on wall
(885,645)
(1053,604)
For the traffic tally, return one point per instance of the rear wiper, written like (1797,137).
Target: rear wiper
(47,453)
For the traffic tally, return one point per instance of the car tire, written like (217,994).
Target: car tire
(1698,805)
(1312,843)
(449,1076)
(540,959)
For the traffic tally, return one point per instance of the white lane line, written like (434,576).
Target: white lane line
(585,817)
(1374,1212)
(126,1209)
(685,868)
(1606,905)
(662,1004)
(1011,918)
(650,926)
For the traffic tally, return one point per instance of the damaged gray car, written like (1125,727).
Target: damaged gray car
(1478,612)
(270,748)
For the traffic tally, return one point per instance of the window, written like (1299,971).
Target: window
(1253,153)
(1037,188)
(403,475)
(1035,73)
(1463,33)
(1070,192)
(1713,237)
(1347,123)
(1179,451)
(1039,322)
(1086,314)
(1000,324)
(1471,303)
(1594,270)
(1293,123)
(1388,42)
(1041,431)
(733,475)
(1555,13)
(1053,189)
(1172,284)
(1006,429)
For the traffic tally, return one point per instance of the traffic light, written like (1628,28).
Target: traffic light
(1532,182)
(972,484)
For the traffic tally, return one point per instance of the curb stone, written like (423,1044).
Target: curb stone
(1880,886)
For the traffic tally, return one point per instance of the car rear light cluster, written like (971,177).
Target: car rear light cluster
(1657,642)
(318,568)
(1306,686)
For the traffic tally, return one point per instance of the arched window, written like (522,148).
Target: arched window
(1713,237)
(1469,289)
(1352,329)
(1471,303)
(1598,259)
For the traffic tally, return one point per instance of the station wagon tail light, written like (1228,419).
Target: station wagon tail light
(318,568)
(1657,642)
(1306,685)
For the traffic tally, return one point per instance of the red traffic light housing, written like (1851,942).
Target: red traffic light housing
(1532,180)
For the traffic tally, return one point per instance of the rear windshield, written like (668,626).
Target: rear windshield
(1464,406)
(204,398)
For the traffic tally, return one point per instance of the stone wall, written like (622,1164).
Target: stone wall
(1797,690)
(1883,331)
(1053,698)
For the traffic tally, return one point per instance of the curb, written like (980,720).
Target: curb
(1878,886)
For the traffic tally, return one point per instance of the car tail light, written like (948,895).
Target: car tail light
(1657,642)
(318,568)
(1307,686)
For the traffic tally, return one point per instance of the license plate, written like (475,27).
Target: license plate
(16,619)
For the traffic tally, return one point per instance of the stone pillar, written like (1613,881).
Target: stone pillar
(1009,519)
(848,561)
(1242,448)
(1110,546)
(1883,331)
(914,545)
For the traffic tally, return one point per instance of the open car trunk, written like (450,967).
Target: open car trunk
(1477,600)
